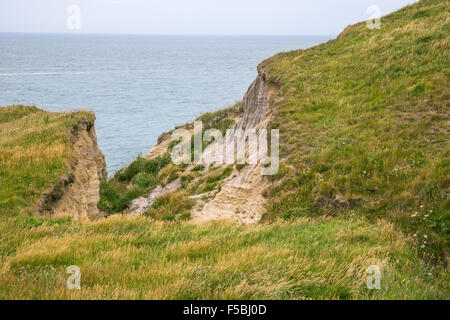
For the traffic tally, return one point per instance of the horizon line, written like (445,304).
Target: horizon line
(169,34)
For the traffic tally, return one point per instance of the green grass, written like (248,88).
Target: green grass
(34,153)
(171,207)
(365,118)
(136,180)
(364,181)
(125,258)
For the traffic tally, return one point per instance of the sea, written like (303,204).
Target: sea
(139,86)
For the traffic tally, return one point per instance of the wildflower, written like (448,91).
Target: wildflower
(421,206)
(415,235)
(423,246)
(425,236)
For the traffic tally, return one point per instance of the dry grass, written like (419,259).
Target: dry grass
(364,116)
(124,258)
(365,119)
(34,153)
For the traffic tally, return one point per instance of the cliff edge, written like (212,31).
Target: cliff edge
(50,163)
(78,193)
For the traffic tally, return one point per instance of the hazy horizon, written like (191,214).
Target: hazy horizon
(196,17)
(167,35)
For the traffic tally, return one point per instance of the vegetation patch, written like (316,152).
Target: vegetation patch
(364,125)
(134,181)
(140,258)
(35,152)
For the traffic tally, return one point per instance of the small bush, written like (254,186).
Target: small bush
(171,207)
(198,168)
(152,166)
(115,197)
(145,180)
(294,213)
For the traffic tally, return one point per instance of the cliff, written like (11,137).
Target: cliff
(78,193)
(236,195)
(50,163)
(363,183)
(241,194)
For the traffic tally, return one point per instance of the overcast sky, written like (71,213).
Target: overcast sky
(230,17)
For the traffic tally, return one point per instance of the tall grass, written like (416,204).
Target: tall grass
(365,149)
(364,124)
(139,258)
(34,153)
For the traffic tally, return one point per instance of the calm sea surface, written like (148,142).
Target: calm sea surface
(138,86)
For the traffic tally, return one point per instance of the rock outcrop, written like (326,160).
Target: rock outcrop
(255,104)
(240,198)
(78,192)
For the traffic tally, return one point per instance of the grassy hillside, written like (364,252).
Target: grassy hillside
(364,140)
(139,258)
(364,122)
(34,153)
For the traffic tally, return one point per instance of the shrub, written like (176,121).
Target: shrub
(171,207)
(198,168)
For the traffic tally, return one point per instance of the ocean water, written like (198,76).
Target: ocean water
(138,86)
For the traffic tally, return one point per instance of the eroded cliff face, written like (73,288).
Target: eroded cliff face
(255,104)
(78,192)
(241,197)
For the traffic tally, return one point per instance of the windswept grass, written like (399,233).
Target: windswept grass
(136,180)
(364,123)
(123,258)
(364,139)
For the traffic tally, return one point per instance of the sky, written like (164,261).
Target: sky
(180,17)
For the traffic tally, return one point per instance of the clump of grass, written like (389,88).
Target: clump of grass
(221,119)
(224,125)
(171,207)
(35,152)
(131,182)
(198,168)
(211,180)
(142,165)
